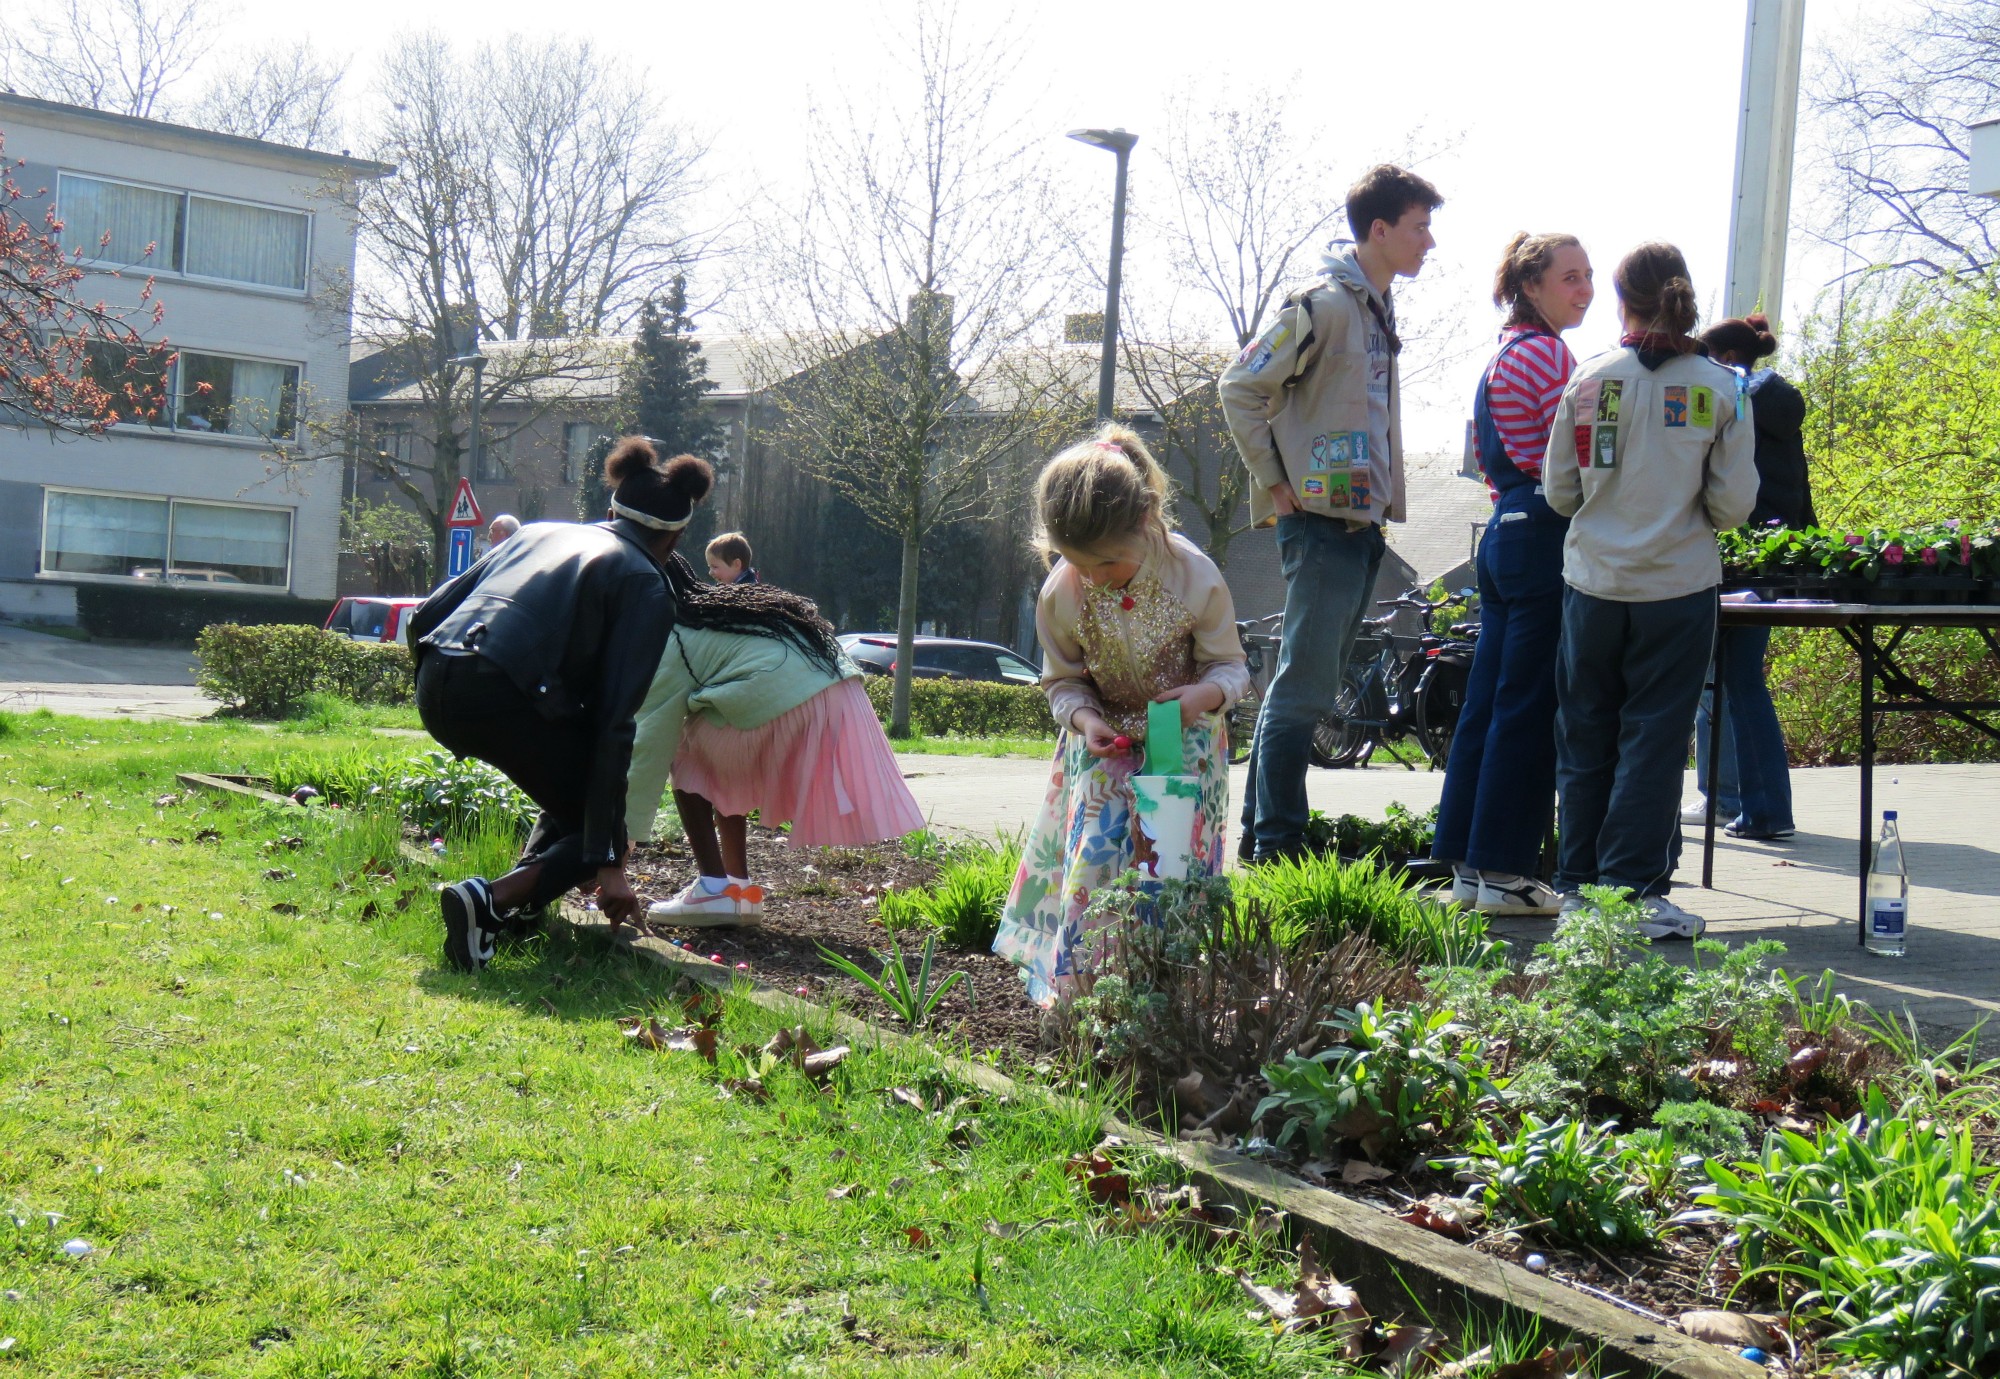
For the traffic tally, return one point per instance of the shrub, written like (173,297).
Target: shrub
(1706,1129)
(1321,900)
(1812,677)
(1890,1224)
(266,671)
(1395,1076)
(1402,832)
(1570,1180)
(132,612)
(963,904)
(967,708)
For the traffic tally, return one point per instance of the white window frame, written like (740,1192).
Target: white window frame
(181,347)
(166,579)
(187,195)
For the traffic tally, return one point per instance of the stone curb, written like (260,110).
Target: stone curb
(1358,1242)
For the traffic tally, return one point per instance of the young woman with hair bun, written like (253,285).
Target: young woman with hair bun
(1132,614)
(1500,782)
(1650,453)
(1753,781)
(535,661)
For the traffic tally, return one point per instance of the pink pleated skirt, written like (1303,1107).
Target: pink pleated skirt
(825,767)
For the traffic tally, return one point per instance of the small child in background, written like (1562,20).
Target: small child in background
(1132,614)
(755,708)
(729,559)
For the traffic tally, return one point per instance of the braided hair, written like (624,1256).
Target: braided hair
(754,610)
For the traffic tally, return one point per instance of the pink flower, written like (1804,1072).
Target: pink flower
(1853,538)
(1892,554)
(1964,558)
(1930,556)
(1952,523)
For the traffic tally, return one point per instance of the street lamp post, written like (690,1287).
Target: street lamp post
(477,363)
(1119,142)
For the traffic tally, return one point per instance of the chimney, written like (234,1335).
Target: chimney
(1083,328)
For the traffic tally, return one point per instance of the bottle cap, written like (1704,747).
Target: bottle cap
(1888,814)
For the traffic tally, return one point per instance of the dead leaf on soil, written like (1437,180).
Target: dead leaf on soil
(1566,1362)
(918,1237)
(285,907)
(1737,1329)
(906,1097)
(650,1034)
(1358,1171)
(1319,1300)
(370,911)
(1451,1217)
(1458,1369)
(854,1191)
(964,1135)
(279,874)
(1410,1350)
(818,1066)
(1100,1178)
(1318,1172)
(1805,1063)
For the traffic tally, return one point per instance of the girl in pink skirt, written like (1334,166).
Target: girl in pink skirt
(755,707)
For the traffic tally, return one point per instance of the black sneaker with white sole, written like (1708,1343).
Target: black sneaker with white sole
(470,926)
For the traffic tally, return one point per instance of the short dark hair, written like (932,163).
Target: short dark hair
(1386,192)
(732,547)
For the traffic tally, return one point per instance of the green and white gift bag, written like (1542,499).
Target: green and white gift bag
(1166,801)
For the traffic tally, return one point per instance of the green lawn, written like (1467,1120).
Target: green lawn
(298,1147)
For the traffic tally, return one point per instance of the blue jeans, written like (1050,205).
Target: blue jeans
(1500,782)
(1753,783)
(1627,682)
(1329,573)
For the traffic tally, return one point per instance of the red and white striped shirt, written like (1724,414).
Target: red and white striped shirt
(1526,384)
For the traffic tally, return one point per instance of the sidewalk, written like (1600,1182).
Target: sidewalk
(1801,892)
(40,670)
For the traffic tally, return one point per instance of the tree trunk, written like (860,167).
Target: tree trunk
(906,636)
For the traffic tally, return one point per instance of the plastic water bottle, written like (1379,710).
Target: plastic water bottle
(1888,892)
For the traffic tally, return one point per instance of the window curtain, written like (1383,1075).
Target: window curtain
(246,243)
(100,534)
(261,399)
(135,216)
(253,544)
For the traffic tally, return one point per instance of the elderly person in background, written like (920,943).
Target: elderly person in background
(500,528)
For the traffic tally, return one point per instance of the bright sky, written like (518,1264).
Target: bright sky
(1611,119)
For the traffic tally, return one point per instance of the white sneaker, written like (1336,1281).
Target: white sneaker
(1572,901)
(1464,885)
(1664,919)
(1695,811)
(1517,895)
(697,907)
(749,899)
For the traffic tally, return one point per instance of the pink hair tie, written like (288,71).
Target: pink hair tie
(1110,445)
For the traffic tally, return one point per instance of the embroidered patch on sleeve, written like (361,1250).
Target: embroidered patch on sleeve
(1586,397)
(1608,399)
(1677,404)
(1605,440)
(1701,408)
(1257,354)
(1357,493)
(1583,447)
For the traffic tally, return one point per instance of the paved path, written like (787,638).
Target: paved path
(39,670)
(1801,892)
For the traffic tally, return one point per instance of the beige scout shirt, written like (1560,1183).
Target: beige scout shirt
(1112,650)
(1297,404)
(1648,464)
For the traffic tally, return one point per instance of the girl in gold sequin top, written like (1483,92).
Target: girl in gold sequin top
(1132,613)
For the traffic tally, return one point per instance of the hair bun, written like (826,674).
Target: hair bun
(690,476)
(628,457)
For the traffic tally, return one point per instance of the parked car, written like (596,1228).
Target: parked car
(941,658)
(373,619)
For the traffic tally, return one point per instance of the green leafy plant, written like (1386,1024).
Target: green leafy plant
(1402,832)
(1571,1180)
(913,1000)
(1319,900)
(265,671)
(439,793)
(1888,1227)
(968,708)
(963,903)
(1396,1076)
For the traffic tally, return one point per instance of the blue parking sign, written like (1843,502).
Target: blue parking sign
(459,560)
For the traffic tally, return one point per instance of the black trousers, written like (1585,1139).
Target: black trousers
(470,706)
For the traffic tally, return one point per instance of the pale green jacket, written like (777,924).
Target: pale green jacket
(736,678)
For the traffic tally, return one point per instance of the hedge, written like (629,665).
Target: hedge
(1815,683)
(140,613)
(967,708)
(264,671)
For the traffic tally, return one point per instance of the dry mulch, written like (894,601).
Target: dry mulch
(827,896)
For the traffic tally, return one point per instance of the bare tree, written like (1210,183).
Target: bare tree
(1896,98)
(916,280)
(537,202)
(118,55)
(285,93)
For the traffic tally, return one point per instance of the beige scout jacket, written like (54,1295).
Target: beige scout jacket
(1648,464)
(1308,432)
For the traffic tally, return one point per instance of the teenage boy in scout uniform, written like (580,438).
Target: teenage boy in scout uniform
(1314,407)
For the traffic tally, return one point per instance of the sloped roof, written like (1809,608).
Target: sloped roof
(581,368)
(1017,375)
(1446,509)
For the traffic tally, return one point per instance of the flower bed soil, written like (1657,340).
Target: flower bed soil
(827,896)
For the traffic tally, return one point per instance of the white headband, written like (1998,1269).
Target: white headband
(646,519)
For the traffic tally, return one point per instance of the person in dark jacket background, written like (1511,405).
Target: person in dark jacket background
(1753,784)
(535,661)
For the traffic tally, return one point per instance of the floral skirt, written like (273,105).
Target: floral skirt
(1082,840)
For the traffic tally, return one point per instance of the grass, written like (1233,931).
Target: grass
(329,713)
(298,1147)
(1036,747)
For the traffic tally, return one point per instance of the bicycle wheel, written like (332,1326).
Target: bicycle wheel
(1243,727)
(1342,738)
(1440,697)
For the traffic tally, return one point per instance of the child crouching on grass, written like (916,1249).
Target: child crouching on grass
(1132,614)
(756,708)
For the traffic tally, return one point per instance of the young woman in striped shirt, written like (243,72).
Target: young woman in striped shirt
(1499,785)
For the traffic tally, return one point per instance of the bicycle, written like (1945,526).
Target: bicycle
(1397,687)
(1261,640)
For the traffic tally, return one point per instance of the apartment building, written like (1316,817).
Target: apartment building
(251,253)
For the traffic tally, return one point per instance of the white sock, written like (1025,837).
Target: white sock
(738,881)
(714,885)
